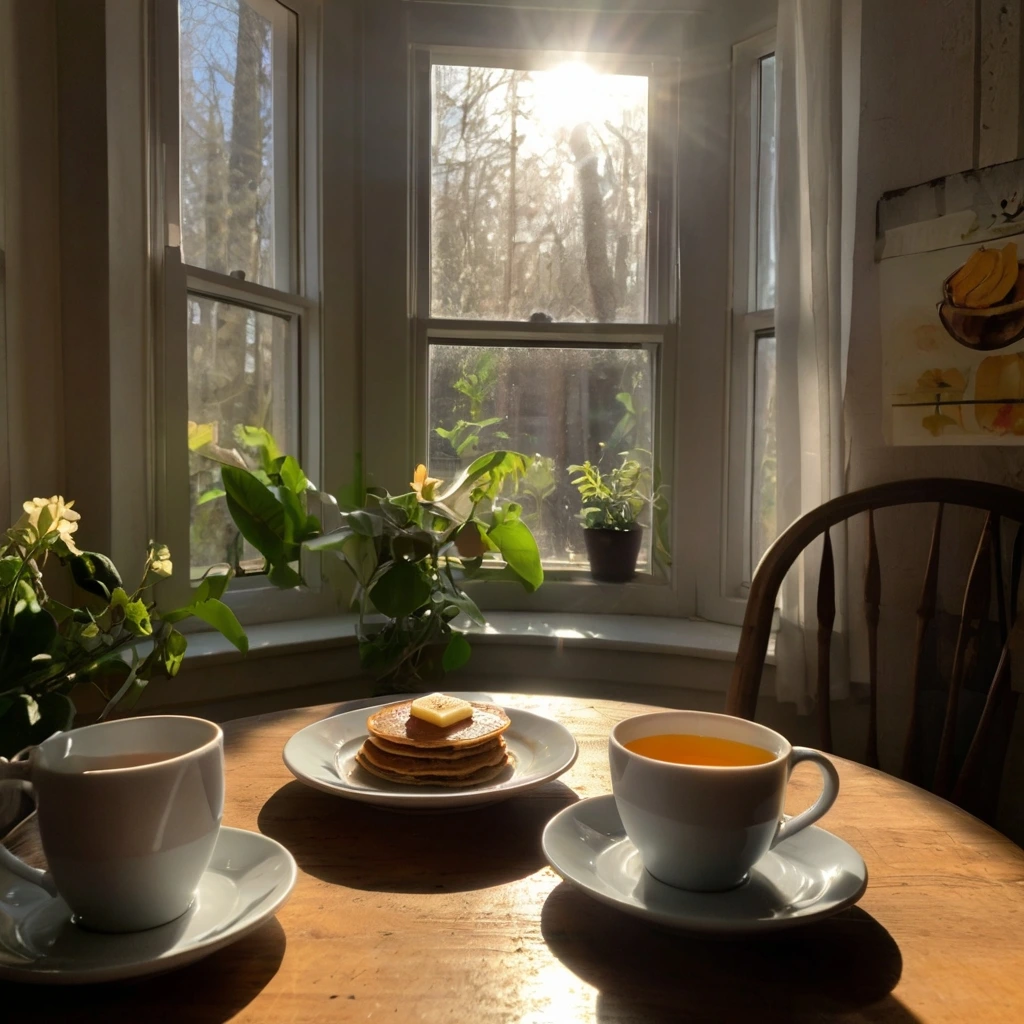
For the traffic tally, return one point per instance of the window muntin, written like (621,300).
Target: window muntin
(561,404)
(538,193)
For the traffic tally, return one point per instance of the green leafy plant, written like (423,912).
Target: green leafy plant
(539,483)
(612,500)
(115,641)
(464,436)
(476,382)
(409,553)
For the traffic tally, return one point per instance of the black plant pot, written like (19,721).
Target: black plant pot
(613,553)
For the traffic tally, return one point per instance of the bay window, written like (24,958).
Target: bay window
(468,227)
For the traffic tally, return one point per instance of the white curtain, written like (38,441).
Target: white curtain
(809,313)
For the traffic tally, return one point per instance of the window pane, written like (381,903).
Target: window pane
(230,186)
(766,230)
(538,194)
(764,486)
(240,374)
(562,405)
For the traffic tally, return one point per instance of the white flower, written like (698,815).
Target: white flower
(46,516)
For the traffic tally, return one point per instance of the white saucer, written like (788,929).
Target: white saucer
(248,879)
(803,879)
(323,756)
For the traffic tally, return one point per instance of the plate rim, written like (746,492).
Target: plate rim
(176,957)
(702,925)
(414,799)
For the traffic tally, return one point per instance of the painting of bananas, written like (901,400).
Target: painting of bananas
(951,298)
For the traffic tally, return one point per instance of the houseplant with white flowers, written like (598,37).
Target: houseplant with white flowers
(112,640)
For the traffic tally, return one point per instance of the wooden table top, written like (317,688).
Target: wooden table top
(456,918)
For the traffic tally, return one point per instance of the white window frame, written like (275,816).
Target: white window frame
(296,148)
(435,34)
(5,463)
(746,323)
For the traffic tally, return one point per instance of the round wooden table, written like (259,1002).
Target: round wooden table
(456,918)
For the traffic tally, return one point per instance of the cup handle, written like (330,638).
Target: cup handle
(19,773)
(827,797)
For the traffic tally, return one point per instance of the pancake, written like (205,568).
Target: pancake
(417,767)
(482,775)
(438,753)
(395,724)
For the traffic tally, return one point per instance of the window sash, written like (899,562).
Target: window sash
(747,323)
(296,247)
(663,76)
(658,334)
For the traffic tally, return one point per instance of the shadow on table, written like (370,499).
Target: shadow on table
(364,847)
(211,991)
(646,975)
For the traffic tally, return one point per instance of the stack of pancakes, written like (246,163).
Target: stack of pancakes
(405,749)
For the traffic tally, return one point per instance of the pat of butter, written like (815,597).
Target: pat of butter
(440,709)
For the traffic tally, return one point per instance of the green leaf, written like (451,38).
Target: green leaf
(213,584)
(259,516)
(284,576)
(258,437)
(519,550)
(415,545)
(25,721)
(211,495)
(468,443)
(466,604)
(457,653)
(401,590)
(174,652)
(32,633)
(626,400)
(486,475)
(59,611)
(136,619)
(217,614)
(292,476)
(360,555)
(95,573)
(9,569)
(333,541)
(365,523)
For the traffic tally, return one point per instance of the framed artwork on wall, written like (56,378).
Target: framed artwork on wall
(951,255)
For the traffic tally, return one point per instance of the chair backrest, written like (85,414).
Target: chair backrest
(974,782)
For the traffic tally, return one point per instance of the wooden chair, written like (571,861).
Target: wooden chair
(974,783)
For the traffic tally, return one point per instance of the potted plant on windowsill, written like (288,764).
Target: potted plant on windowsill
(409,553)
(612,503)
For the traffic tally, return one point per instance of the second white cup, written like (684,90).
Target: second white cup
(703,827)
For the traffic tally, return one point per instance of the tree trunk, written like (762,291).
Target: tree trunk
(245,158)
(595,226)
(513,149)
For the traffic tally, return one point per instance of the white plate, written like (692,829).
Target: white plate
(248,879)
(323,756)
(805,878)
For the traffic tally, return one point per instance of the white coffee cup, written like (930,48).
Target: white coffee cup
(702,827)
(126,846)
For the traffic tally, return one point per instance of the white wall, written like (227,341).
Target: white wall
(920,96)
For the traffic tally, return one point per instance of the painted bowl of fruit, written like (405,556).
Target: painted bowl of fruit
(983,304)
